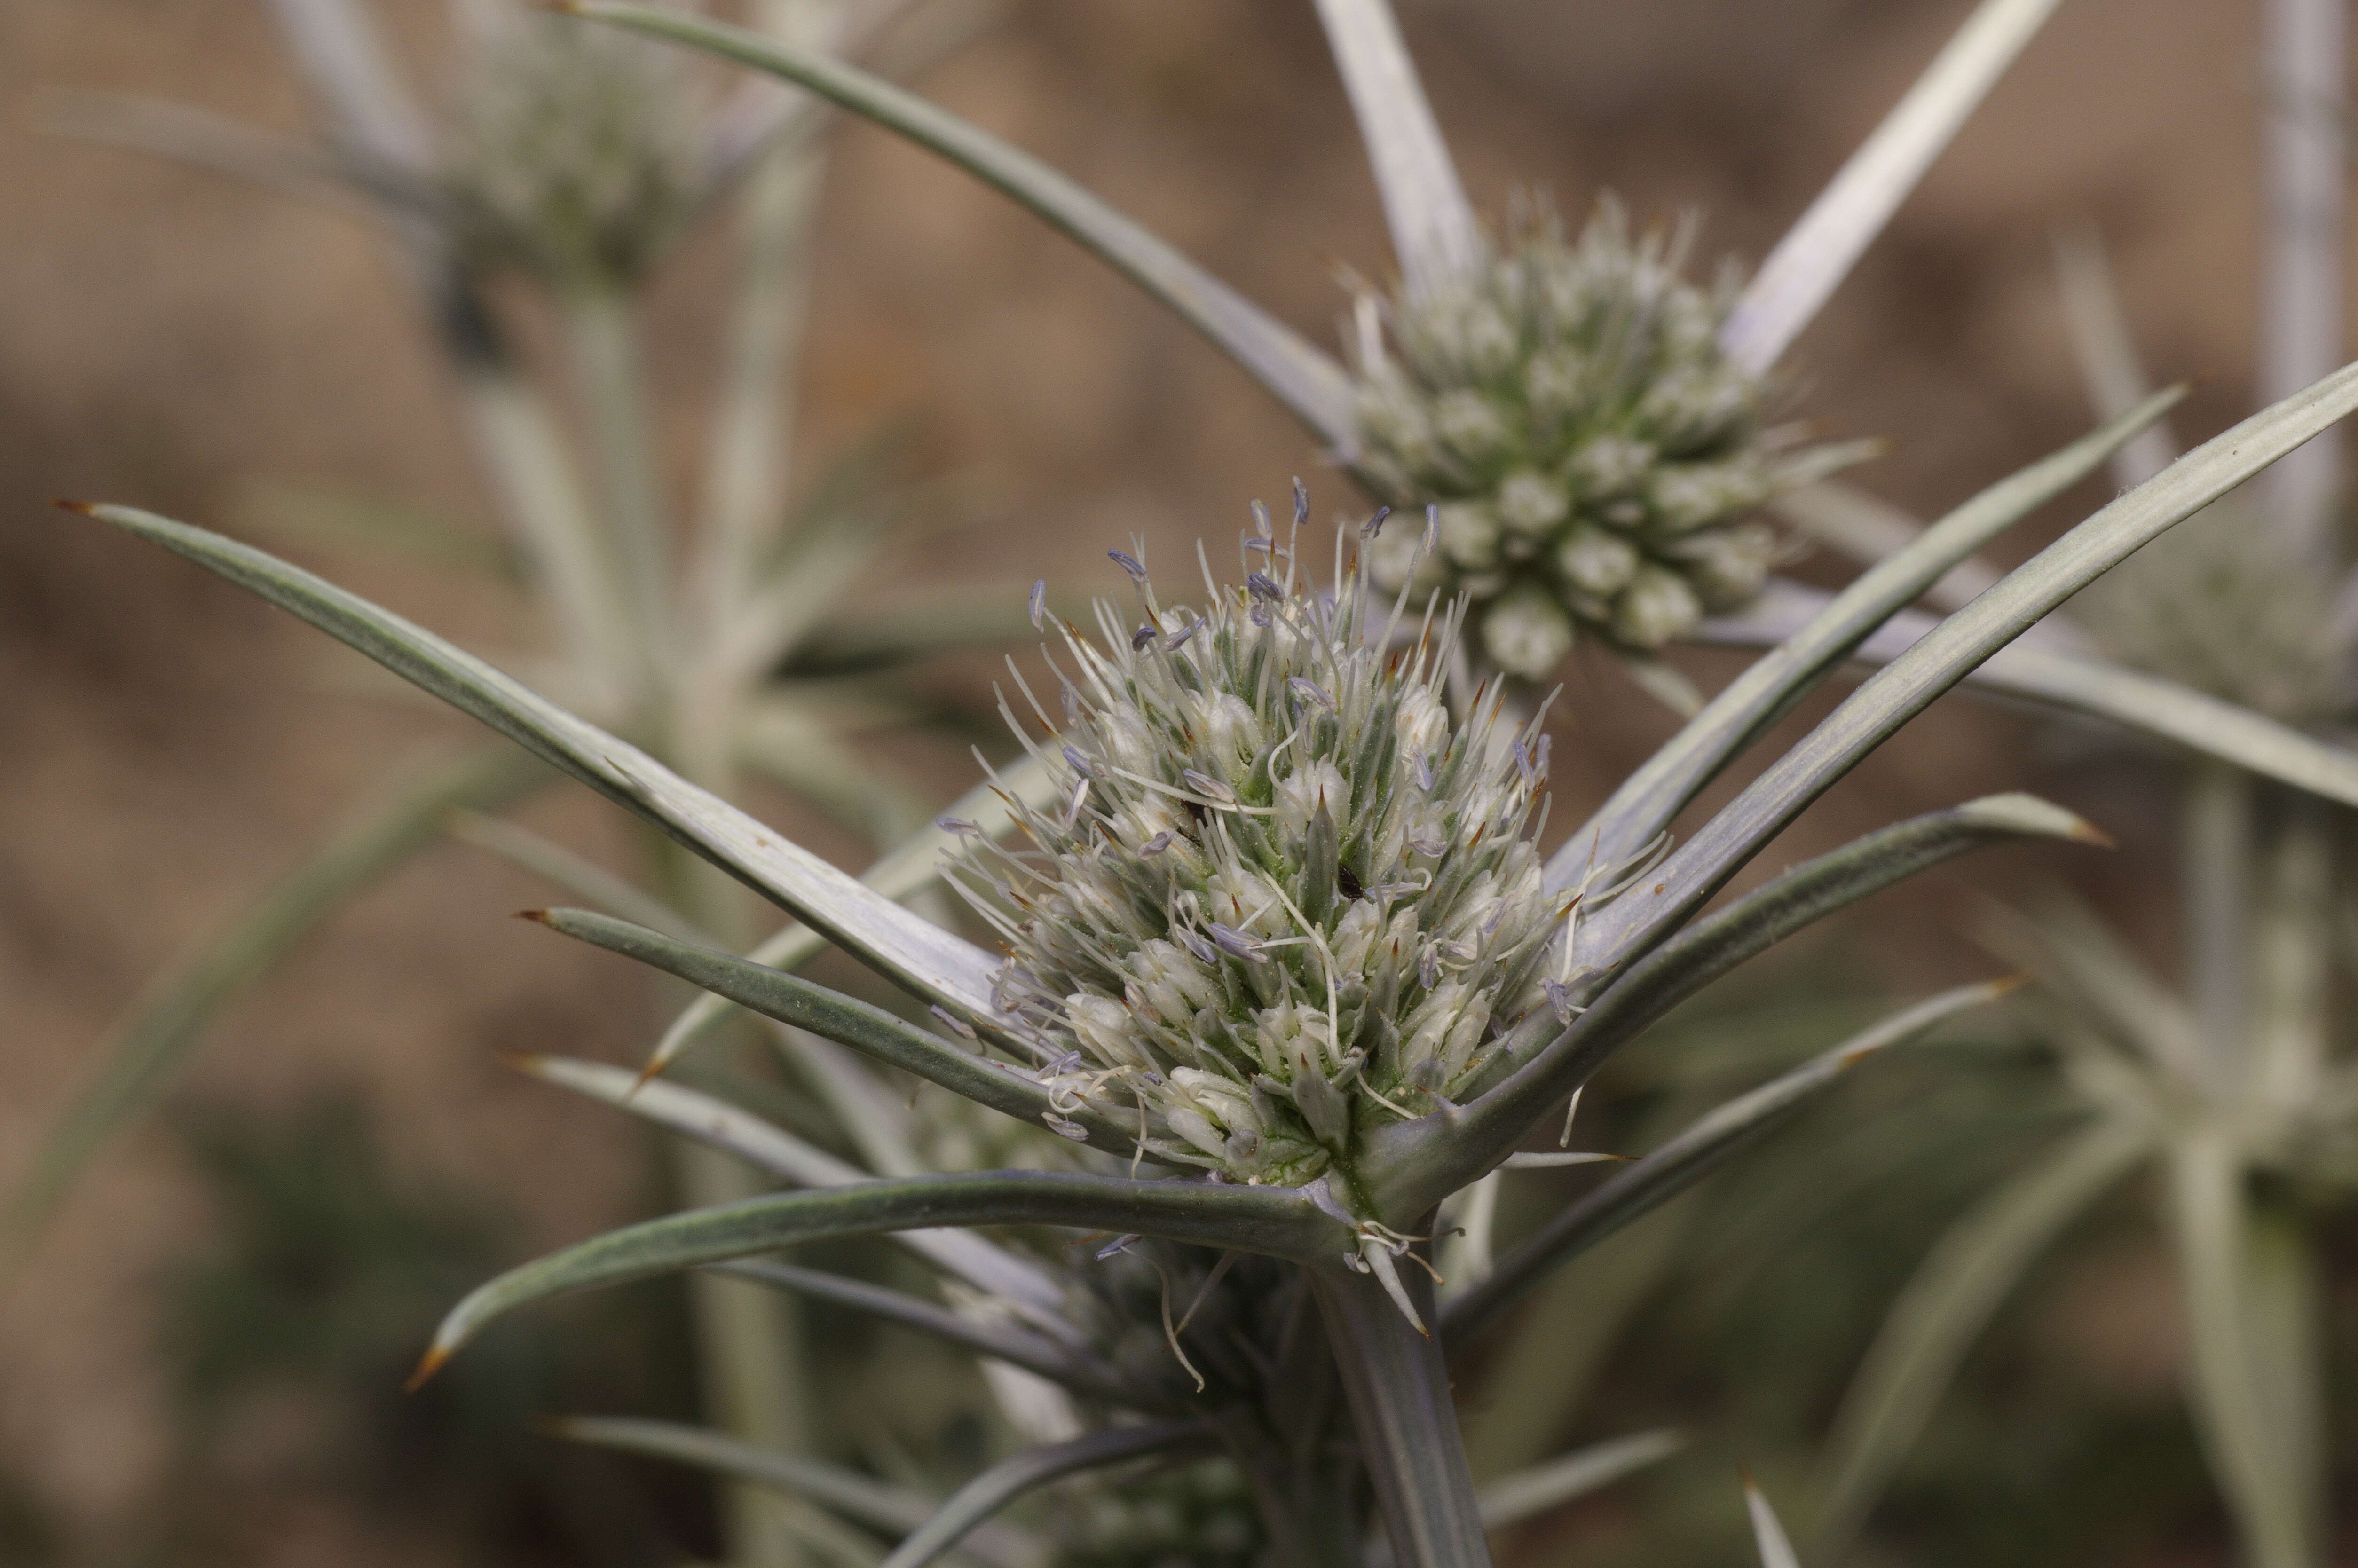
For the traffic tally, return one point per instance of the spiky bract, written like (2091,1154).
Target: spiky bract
(1595,458)
(570,152)
(1287,894)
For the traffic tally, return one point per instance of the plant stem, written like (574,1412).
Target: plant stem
(603,330)
(2300,289)
(1398,1390)
(2217,843)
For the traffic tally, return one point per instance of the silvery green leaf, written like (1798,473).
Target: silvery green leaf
(1434,232)
(1909,684)
(2257,1444)
(937,965)
(2107,350)
(208,142)
(879,1505)
(1282,1222)
(772,1149)
(1307,381)
(1688,1157)
(350,71)
(1969,1270)
(864,1027)
(1768,1535)
(1510,1499)
(1865,529)
(159,1039)
(914,866)
(1544,1061)
(1011,1477)
(1067,1366)
(1650,798)
(1818,252)
(577,874)
(2081,683)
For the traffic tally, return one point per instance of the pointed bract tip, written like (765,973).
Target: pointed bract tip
(87,508)
(552,1425)
(524,1061)
(427,1365)
(2086,832)
(2007,985)
(538,916)
(647,1075)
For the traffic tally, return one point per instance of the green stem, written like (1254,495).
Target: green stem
(2218,872)
(1399,1391)
(603,332)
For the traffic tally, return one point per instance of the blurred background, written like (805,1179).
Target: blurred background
(200,1363)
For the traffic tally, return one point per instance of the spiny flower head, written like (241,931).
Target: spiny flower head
(570,152)
(1287,892)
(1595,458)
(2223,604)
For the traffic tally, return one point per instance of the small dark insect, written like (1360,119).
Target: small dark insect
(1348,881)
(1198,810)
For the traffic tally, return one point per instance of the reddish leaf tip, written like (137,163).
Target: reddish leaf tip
(427,1365)
(87,508)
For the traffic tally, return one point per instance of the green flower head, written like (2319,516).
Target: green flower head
(1593,457)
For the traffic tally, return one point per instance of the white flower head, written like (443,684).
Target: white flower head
(1343,909)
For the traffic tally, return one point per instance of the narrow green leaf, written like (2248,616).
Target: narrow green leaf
(935,964)
(1866,529)
(1814,256)
(577,874)
(1768,1535)
(1307,381)
(1069,1366)
(170,1022)
(1688,1157)
(351,73)
(1527,1494)
(1282,1222)
(203,141)
(1969,1271)
(1434,232)
(879,1505)
(1542,1063)
(1035,1467)
(1650,798)
(1910,684)
(914,867)
(772,1148)
(865,1028)
(2078,682)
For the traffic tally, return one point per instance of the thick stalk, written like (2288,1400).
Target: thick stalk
(1398,1390)
(603,328)
(2217,846)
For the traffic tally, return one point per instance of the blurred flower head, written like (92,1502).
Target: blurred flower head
(570,151)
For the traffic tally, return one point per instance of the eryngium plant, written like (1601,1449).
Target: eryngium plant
(1597,456)
(1437,243)
(1285,894)
(1341,1236)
